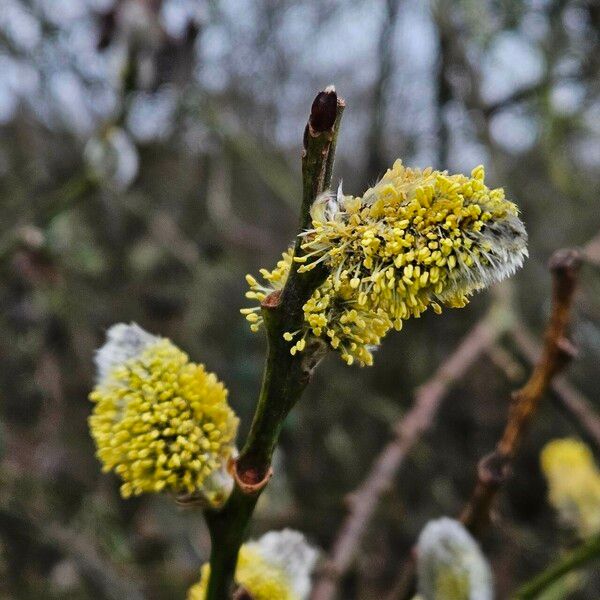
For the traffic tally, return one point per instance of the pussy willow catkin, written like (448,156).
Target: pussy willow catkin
(160,422)
(417,239)
(450,565)
(573,484)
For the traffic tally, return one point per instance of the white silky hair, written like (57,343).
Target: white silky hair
(507,240)
(122,343)
(446,546)
(289,551)
(327,206)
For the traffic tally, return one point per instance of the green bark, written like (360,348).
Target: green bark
(285,376)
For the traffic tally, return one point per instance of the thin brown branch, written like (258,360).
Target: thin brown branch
(567,394)
(408,431)
(557,350)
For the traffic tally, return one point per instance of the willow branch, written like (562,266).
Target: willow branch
(493,469)
(408,431)
(285,376)
(588,551)
(504,360)
(573,401)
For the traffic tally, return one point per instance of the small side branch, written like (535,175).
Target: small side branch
(588,551)
(408,431)
(577,405)
(557,351)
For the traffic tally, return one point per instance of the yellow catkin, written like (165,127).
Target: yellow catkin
(161,422)
(261,579)
(417,239)
(277,566)
(574,483)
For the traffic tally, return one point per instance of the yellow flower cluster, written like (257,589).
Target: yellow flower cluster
(254,574)
(277,566)
(160,421)
(574,483)
(350,327)
(416,239)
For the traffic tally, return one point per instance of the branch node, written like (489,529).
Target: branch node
(242,594)
(567,260)
(250,479)
(568,350)
(493,469)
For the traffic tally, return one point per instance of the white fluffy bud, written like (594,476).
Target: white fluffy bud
(289,551)
(450,564)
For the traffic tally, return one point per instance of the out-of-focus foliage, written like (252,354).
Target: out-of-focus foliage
(149,158)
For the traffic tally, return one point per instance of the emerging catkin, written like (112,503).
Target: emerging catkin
(278,566)
(450,565)
(573,483)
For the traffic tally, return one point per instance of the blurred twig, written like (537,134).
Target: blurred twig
(591,251)
(506,362)
(270,168)
(98,573)
(93,568)
(408,431)
(570,397)
(218,203)
(381,89)
(493,469)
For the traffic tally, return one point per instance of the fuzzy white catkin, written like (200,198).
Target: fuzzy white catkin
(289,551)
(450,565)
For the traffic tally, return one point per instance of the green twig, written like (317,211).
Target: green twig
(285,376)
(588,551)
